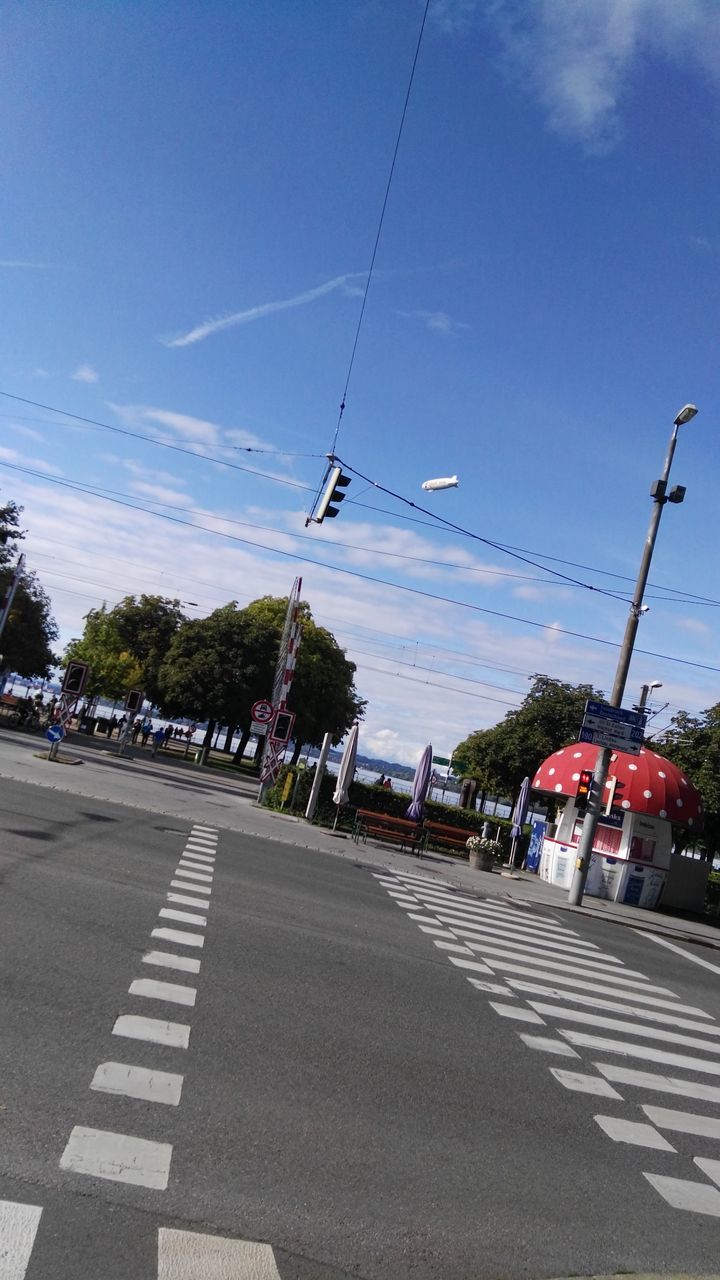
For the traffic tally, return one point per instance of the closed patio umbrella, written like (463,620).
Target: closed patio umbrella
(346,772)
(519,815)
(420,786)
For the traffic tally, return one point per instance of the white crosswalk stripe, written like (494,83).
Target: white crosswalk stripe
(541,972)
(18,1228)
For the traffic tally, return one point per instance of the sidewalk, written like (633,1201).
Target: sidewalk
(185,791)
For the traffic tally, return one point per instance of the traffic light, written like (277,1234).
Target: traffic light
(282,726)
(76,674)
(333,492)
(584,787)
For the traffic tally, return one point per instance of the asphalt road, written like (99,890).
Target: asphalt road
(347,1096)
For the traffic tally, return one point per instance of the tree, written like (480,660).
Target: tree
(125,645)
(693,744)
(30,630)
(549,718)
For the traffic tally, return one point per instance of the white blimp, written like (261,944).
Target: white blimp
(442,482)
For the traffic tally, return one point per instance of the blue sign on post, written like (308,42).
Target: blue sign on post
(55,733)
(607,726)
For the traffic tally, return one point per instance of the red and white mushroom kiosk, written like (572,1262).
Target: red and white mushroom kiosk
(632,852)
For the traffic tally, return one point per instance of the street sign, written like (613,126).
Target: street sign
(262,711)
(441,759)
(55,733)
(614,727)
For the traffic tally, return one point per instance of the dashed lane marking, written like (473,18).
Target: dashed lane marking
(153,989)
(138,1082)
(166,959)
(545,1044)
(185,869)
(174,1034)
(183,900)
(180,936)
(188,885)
(18,1228)
(118,1157)
(185,917)
(581,1083)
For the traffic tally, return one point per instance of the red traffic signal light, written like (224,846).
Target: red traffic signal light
(584,787)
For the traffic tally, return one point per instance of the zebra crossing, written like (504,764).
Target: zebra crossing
(179,1253)
(634,1042)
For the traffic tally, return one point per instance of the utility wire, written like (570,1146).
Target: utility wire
(380,225)
(353,573)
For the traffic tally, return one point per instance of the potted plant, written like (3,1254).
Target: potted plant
(483,853)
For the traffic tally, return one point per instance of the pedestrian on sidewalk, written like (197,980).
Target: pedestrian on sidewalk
(145,731)
(158,741)
(136,729)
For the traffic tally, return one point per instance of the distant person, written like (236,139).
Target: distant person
(167,733)
(158,740)
(112,726)
(387,784)
(121,725)
(145,731)
(136,729)
(380,782)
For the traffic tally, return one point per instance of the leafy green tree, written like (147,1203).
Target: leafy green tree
(548,718)
(693,743)
(125,645)
(30,630)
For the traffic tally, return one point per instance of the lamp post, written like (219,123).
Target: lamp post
(645,691)
(659,494)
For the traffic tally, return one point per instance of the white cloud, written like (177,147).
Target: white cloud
(579,56)
(209,327)
(695,626)
(437,321)
(18,262)
(36,464)
(189,430)
(85,373)
(28,432)
(161,494)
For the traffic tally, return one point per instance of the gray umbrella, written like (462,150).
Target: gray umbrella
(519,815)
(421,785)
(346,772)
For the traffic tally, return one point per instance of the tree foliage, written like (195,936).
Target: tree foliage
(30,631)
(693,743)
(126,645)
(549,718)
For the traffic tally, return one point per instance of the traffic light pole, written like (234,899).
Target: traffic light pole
(602,765)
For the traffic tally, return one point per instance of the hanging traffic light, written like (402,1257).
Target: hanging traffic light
(584,787)
(333,492)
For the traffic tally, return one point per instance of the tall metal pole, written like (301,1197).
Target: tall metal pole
(602,764)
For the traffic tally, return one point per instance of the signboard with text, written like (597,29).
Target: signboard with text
(613,727)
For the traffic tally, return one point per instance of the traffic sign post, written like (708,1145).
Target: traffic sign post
(612,727)
(55,733)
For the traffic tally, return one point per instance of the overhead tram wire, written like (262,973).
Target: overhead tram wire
(364,577)
(432,523)
(373,256)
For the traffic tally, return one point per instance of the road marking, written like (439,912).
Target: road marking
(199,857)
(439,933)
(469,964)
(186,869)
(633,1132)
(422,919)
(18,1228)
(546,1045)
(683,1121)
(661,1084)
(663,942)
(191,865)
(437,902)
(493,988)
(188,902)
(179,935)
(586,970)
(710,1167)
(580,1083)
(508,966)
(406,902)
(452,946)
(535,988)
(188,1255)
(210,831)
(509,947)
(185,917)
(515,937)
(516,1011)
(169,961)
(153,989)
(174,1034)
(117,1157)
(184,884)
(138,1082)
(697,1197)
(203,842)
(645,1051)
(618,1024)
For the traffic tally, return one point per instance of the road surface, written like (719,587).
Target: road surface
(222,1056)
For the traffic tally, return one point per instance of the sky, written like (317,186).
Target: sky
(189,200)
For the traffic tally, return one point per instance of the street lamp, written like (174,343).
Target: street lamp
(645,691)
(659,494)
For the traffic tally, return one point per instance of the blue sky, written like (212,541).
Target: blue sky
(190,197)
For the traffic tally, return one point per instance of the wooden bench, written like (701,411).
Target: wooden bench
(382,826)
(446,836)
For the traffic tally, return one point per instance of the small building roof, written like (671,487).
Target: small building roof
(646,783)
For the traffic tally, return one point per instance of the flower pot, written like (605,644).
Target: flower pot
(480,860)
